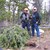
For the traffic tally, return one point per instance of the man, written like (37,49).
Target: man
(35,22)
(25,19)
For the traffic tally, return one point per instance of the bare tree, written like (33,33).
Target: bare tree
(49,12)
(38,4)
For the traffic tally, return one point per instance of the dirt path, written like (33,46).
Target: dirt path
(44,43)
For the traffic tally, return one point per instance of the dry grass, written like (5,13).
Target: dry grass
(43,42)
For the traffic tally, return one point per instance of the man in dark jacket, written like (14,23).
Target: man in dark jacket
(25,19)
(35,22)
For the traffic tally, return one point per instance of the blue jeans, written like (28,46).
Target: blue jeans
(26,24)
(35,26)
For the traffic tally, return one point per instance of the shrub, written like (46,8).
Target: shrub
(13,37)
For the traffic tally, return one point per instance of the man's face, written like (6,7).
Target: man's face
(34,10)
(25,11)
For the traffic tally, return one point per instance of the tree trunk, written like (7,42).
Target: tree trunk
(38,4)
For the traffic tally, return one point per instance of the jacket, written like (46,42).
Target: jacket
(35,18)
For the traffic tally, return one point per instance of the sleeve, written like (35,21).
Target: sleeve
(30,17)
(38,18)
(21,15)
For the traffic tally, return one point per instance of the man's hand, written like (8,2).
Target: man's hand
(36,22)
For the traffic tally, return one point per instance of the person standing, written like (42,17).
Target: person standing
(35,22)
(25,20)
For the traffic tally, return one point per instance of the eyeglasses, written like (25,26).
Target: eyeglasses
(34,9)
(25,10)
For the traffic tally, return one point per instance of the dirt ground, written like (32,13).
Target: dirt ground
(41,44)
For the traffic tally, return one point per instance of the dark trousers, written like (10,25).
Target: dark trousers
(26,24)
(35,26)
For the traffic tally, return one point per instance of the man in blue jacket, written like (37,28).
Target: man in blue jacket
(35,22)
